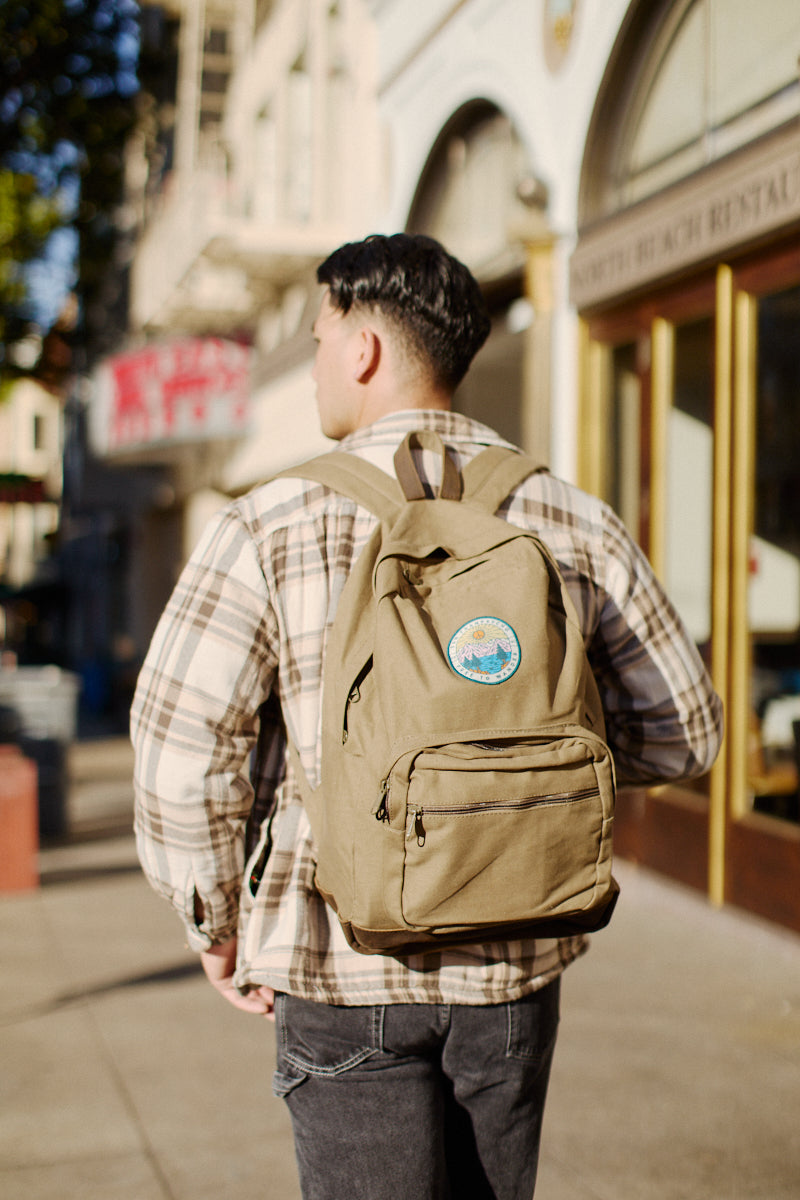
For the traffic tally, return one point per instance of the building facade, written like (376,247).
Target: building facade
(31,446)
(624,180)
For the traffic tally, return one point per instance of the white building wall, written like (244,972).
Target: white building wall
(397,71)
(434,58)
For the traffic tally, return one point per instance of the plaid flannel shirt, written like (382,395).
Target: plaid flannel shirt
(221,830)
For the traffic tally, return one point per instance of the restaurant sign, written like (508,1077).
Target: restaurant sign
(751,195)
(187,390)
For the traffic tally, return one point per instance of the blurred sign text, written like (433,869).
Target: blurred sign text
(188,390)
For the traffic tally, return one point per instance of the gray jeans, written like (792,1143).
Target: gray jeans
(416,1101)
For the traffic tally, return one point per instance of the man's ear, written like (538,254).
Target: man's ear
(368,354)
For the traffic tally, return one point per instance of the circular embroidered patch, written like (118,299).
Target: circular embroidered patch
(485,650)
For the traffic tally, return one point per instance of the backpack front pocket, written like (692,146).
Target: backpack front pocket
(521,832)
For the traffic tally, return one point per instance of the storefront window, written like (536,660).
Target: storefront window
(774,591)
(690,474)
(622,460)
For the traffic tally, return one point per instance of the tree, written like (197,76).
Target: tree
(67,102)
(26,221)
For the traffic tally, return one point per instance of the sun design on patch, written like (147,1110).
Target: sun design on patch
(485,650)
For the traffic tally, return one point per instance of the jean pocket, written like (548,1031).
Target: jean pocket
(533,1023)
(321,1040)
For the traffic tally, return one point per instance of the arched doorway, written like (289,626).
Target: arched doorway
(479,197)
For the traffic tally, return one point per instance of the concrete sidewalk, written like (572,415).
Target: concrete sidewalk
(125,1077)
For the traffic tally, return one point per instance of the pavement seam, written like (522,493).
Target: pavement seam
(129,1103)
(86,1004)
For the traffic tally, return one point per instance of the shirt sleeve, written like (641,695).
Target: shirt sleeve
(194,724)
(663,717)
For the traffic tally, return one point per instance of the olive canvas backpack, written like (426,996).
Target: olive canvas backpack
(467,791)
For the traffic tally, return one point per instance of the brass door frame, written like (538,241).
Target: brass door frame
(752,859)
(720,569)
(747,285)
(763,853)
(654,322)
(745,315)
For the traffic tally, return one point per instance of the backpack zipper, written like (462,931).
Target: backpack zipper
(416,829)
(382,808)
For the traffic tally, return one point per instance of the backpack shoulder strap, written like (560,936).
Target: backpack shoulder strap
(488,478)
(491,475)
(355,478)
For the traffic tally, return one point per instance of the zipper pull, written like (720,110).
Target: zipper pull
(415,828)
(382,810)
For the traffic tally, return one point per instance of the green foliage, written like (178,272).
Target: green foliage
(67,89)
(26,221)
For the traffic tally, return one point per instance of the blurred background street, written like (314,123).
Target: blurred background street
(623,179)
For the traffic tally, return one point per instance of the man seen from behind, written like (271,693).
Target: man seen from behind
(408,1077)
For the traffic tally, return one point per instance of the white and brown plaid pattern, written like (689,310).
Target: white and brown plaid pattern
(221,830)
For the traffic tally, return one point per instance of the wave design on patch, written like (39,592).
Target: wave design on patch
(485,650)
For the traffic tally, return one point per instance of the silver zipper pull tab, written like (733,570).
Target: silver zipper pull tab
(415,828)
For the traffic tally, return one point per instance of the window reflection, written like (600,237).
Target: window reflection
(623,483)
(690,478)
(774,590)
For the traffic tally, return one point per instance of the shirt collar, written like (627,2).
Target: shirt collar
(453,427)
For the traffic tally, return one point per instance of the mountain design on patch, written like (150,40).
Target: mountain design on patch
(485,650)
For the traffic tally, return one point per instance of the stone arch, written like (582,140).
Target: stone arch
(478,195)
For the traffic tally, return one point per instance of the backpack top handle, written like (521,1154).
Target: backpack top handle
(408,476)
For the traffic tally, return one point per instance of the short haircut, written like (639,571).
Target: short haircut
(430,298)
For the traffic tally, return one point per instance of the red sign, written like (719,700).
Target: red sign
(189,390)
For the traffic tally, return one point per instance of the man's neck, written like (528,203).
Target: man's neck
(429,399)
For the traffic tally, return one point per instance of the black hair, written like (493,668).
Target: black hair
(426,293)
